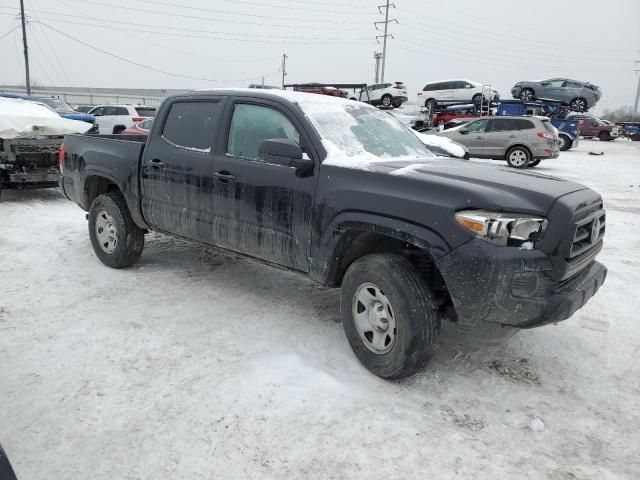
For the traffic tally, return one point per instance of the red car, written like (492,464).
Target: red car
(140,128)
(444,117)
(321,90)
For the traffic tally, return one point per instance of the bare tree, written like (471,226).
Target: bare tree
(622,114)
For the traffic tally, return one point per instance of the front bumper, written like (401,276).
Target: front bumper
(515,92)
(513,287)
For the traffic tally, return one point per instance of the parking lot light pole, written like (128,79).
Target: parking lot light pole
(26,50)
(635,104)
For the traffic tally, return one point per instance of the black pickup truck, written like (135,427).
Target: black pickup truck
(348,195)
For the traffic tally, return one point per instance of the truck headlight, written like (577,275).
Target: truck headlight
(503,228)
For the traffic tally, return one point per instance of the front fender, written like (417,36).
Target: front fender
(327,253)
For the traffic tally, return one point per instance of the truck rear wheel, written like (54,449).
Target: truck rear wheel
(116,239)
(388,315)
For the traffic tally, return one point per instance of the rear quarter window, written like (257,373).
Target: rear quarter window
(121,111)
(146,111)
(192,125)
(522,124)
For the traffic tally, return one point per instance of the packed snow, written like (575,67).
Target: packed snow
(452,148)
(199,364)
(25,119)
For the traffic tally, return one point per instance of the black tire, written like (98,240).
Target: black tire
(386,100)
(478,99)
(111,210)
(604,136)
(527,94)
(411,309)
(518,157)
(430,105)
(118,129)
(565,142)
(579,104)
(396,103)
(535,163)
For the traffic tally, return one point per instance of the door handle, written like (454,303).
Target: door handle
(224,176)
(512,136)
(479,138)
(156,164)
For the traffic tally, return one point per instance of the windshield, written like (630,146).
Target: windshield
(353,133)
(56,104)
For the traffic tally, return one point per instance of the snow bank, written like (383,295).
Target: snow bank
(25,119)
(448,145)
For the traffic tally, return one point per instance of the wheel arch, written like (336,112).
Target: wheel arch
(95,184)
(355,234)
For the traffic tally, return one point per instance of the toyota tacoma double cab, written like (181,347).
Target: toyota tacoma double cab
(348,195)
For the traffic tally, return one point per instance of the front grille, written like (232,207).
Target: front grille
(590,226)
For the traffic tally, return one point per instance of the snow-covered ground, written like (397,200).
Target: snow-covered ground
(196,364)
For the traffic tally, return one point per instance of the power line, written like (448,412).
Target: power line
(543,56)
(148,67)
(260,39)
(212,10)
(472,59)
(323,10)
(9,32)
(484,33)
(467,52)
(240,22)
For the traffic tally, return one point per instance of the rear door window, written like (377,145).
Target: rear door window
(123,111)
(502,125)
(146,111)
(110,111)
(192,125)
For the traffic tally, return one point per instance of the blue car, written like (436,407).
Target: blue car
(60,107)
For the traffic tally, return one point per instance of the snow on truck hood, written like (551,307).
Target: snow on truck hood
(26,119)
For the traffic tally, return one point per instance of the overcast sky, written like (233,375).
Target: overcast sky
(235,42)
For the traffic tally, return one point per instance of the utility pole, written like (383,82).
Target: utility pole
(377,56)
(386,34)
(635,104)
(26,50)
(284,67)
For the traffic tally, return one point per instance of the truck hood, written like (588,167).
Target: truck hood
(475,185)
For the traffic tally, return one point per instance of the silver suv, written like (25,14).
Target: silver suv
(521,141)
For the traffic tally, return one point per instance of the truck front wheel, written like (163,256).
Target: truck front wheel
(388,315)
(116,239)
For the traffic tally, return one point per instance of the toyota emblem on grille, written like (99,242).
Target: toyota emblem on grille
(595,230)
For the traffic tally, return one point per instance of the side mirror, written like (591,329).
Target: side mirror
(544,84)
(467,86)
(283,151)
(464,131)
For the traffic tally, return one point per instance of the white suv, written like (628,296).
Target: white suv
(117,118)
(455,90)
(384,94)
